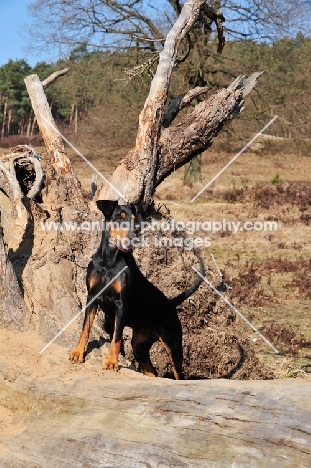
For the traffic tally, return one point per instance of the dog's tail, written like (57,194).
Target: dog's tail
(176,301)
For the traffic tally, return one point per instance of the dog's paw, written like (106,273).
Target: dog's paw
(111,365)
(77,355)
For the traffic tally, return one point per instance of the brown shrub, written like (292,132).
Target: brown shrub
(285,338)
(268,196)
(246,286)
(15,140)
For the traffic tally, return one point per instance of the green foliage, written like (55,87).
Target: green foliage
(283,89)
(14,100)
(276,179)
(192,172)
(99,89)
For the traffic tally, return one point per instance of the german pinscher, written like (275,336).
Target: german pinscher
(130,300)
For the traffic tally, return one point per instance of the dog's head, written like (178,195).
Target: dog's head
(121,222)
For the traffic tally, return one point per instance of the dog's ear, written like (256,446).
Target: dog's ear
(106,206)
(139,213)
(132,208)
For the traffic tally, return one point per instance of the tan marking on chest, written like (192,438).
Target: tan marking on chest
(117,286)
(93,282)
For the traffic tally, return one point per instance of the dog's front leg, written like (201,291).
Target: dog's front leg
(77,355)
(111,362)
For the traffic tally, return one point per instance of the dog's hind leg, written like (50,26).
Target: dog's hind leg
(141,344)
(173,346)
(79,352)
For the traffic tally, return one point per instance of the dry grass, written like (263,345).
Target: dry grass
(270,272)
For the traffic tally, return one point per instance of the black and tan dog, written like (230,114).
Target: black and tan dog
(130,300)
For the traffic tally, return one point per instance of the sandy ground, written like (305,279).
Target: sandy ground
(19,356)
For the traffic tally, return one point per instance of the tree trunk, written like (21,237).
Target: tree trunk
(29,124)
(56,260)
(9,122)
(32,130)
(5,110)
(137,423)
(76,119)
(71,118)
(192,172)
(21,126)
(13,313)
(50,265)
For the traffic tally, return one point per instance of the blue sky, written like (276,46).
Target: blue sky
(13,16)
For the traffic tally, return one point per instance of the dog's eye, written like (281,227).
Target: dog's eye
(123,215)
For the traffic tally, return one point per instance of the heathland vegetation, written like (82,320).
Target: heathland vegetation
(103,87)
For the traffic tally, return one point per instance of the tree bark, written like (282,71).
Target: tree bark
(13,313)
(5,109)
(53,282)
(137,423)
(139,186)
(9,122)
(45,262)
(180,143)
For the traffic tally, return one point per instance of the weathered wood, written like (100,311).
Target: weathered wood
(180,102)
(139,186)
(13,313)
(54,77)
(14,216)
(180,143)
(53,140)
(198,128)
(20,153)
(46,257)
(150,119)
(51,137)
(15,192)
(132,423)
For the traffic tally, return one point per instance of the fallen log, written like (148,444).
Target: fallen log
(134,423)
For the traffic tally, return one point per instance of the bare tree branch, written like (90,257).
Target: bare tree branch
(197,129)
(52,139)
(150,119)
(54,77)
(179,144)
(23,153)
(218,18)
(16,190)
(35,189)
(108,24)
